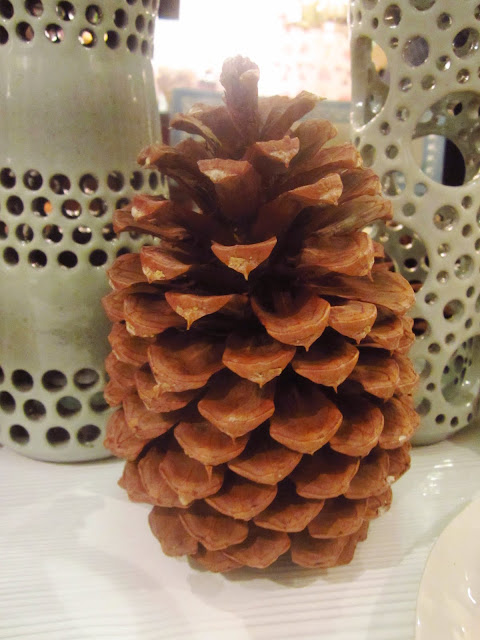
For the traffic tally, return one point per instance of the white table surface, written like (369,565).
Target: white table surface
(78,561)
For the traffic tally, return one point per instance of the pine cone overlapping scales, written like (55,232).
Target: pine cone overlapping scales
(258,352)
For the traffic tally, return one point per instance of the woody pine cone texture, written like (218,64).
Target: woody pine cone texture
(259,347)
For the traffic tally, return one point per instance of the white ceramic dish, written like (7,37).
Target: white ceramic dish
(448,605)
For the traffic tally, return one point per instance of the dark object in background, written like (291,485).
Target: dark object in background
(454,165)
(169,9)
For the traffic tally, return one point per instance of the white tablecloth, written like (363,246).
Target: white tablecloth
(78,561)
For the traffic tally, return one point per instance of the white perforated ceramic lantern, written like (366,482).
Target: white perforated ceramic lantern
(77,104)
(416,87)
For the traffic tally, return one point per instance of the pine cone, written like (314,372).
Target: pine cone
(258,350)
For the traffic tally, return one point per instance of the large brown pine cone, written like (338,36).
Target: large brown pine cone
(258,350)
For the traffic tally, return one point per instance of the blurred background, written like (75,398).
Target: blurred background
(297,45)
